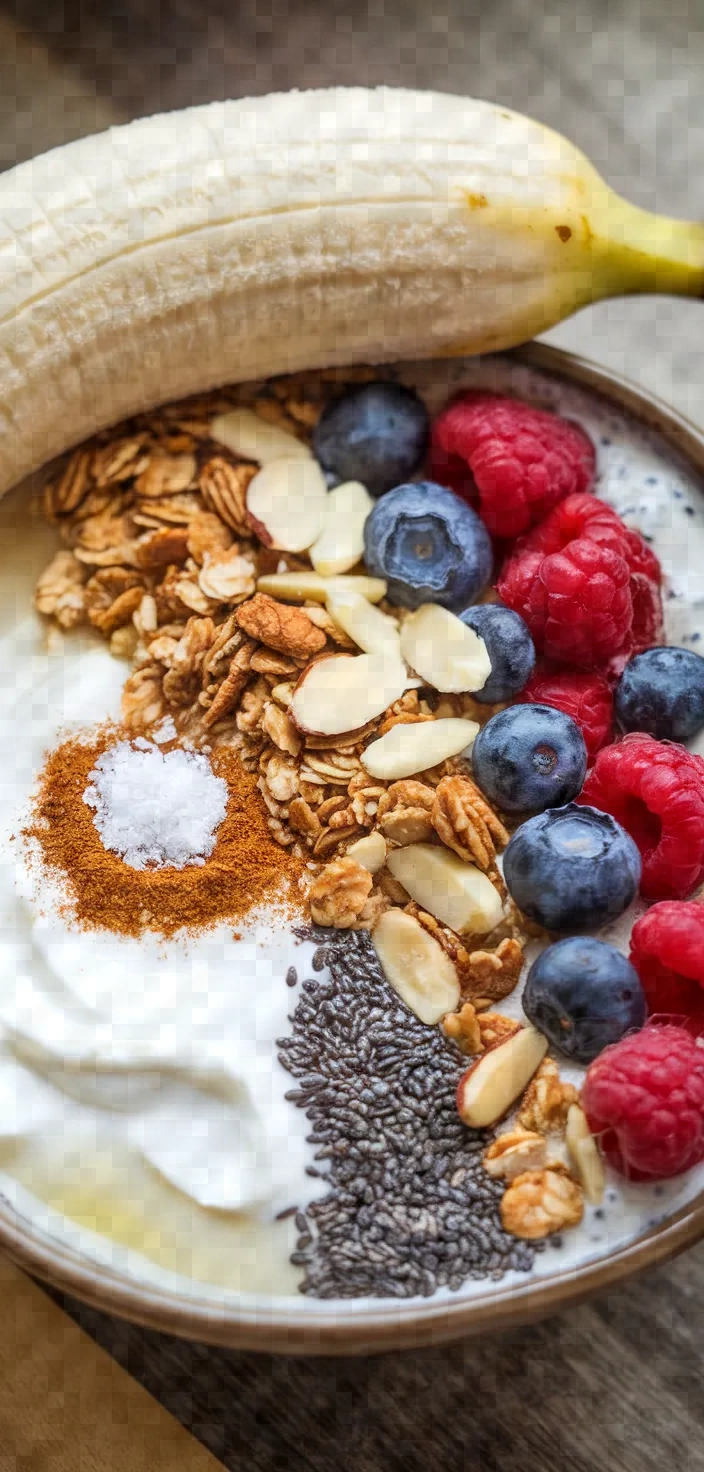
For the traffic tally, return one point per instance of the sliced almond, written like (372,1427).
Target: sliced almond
(344,691)
(245,434)
(444,651)
(369,851)
(375,632)
(416,966)
(297,587)
(407,749)
(454,892)
(286,503)
(489,1088)
(341,541)
(584,1154)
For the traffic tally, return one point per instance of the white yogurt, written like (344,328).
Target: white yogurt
(164,1052)
(140,1091)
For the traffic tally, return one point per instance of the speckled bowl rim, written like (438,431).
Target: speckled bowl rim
(285,1326)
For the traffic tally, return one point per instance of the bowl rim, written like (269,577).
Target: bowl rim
(285,1327)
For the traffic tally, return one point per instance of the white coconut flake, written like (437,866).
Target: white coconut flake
(156,809)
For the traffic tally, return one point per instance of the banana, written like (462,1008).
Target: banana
(302,230)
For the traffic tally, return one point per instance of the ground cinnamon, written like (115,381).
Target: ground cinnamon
(246,868)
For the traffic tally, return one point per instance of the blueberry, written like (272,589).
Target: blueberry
(583,994)
(510,649)
(377,433)
(429,545)
(662,692)
(530,757)
(573,868)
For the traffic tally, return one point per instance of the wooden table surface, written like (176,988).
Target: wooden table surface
(615,1385)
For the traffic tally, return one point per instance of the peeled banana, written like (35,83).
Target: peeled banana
(283,232)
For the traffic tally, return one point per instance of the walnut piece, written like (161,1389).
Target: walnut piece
(339,894)
(463,1029)
(494,974)
(463,820)
(281,626)
(545,1104)
(515,1152)
(494,1028)
(404,812)
(59,593)
(540,1202)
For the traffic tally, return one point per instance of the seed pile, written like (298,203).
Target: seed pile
(410,1207)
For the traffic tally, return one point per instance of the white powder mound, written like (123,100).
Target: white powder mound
(156,809)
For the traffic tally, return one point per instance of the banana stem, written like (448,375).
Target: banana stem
(637,252)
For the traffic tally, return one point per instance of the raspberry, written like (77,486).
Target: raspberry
(581,519)
(587,516)
(508,459)
(577,603)
(644,1098)
(586,698)
(672,931)
(655,790)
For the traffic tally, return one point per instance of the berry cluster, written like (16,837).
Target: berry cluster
(667,951)
(511,461)
(644,1099)
(587,586)
(582,591)
(587,590)
(655,790)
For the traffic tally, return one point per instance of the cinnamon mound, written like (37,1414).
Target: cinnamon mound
(246,868)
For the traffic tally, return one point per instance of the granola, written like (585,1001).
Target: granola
(540,1202)
(513,1153)
(59,593)
(547,1100)
(463,1029)
(464,821)
(281,626)
(339,893)
(161,558)
(404,811)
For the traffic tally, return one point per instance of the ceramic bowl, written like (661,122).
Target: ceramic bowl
(290,1325)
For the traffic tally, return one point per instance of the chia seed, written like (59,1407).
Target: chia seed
(410,1208)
